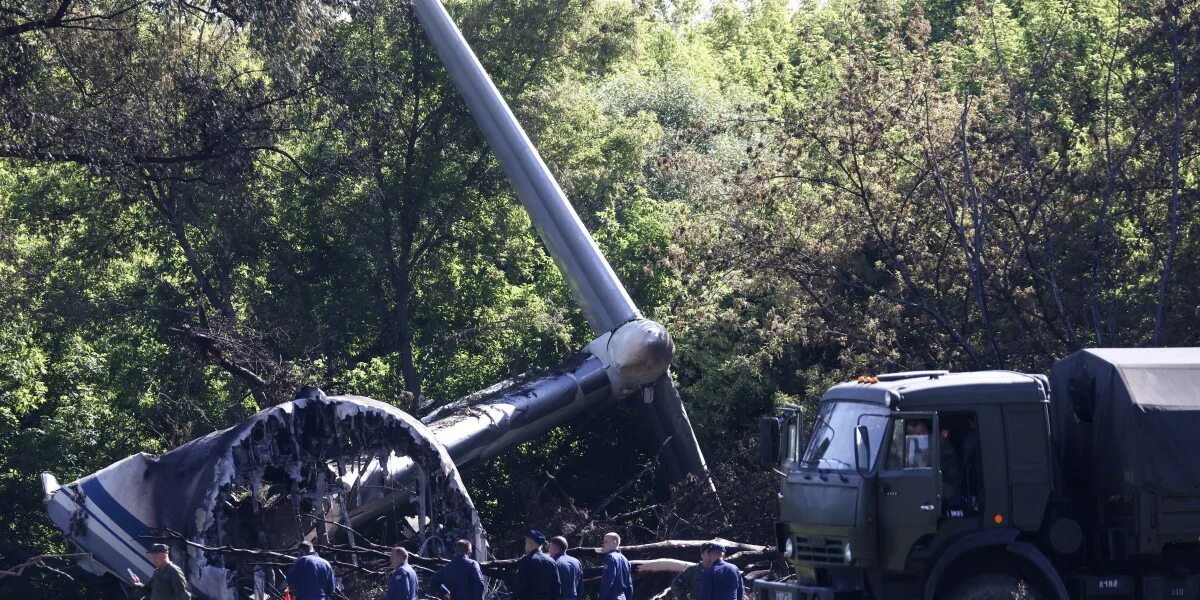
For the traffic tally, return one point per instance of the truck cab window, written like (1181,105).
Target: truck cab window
(910,445)
(831,443)
(962,478)
(957,443)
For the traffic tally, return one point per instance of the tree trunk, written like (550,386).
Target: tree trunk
(404,340)
(1164,287)
(975,266)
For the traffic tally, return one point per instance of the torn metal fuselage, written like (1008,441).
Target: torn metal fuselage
(323,467)
(294,471)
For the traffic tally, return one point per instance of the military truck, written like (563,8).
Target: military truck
(996,485)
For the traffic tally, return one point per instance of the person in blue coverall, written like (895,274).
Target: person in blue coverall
(720,580)
(402,583)
(537,575)
(616,583)
(310,577)
(461,578)
(570,572)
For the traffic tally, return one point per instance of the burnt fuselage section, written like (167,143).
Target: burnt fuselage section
(316,468)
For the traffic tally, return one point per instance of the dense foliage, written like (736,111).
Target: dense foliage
(204,205)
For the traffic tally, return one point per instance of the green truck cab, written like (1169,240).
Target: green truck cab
(996,484)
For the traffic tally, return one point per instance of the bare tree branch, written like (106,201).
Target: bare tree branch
(40,562)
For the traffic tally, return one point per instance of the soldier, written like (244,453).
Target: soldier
(167,582)
(616,583)
(537,575)
(950,468)
(721,580)
(402,584)
(311,577)
(570,572)
(461,578)
(686,585)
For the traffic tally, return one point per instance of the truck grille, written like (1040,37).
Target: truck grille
(820,550)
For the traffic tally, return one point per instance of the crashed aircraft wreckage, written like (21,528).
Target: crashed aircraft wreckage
(322,466)
(291,472)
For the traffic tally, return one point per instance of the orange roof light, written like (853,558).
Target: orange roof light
(999,518)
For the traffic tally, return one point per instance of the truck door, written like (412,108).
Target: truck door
(909,490)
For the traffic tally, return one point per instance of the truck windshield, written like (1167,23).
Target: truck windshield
(831,445)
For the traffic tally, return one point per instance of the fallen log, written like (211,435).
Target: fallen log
(660,565)
(677,549)
(760,574)
(668,556)
(745,559)
(663,595)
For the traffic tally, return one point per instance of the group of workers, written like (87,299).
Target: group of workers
(539,575)
(556,575)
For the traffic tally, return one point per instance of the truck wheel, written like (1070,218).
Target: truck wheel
(992,586)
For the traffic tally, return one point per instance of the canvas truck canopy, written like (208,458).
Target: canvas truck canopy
(1127,418)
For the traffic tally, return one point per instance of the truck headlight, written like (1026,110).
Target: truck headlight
(847,554)
(789,548)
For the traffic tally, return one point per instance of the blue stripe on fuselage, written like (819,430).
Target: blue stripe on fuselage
(119,515)
(102,559)
(117,538)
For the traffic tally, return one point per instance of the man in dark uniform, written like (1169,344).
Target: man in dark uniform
(167,582)
(537,575)
(311,577)
(402,583)
(570,572)
(721,580)
(616,583)
(461,578)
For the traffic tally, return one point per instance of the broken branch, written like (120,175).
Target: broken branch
(39,562)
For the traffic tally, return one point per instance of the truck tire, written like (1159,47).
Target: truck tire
(992,586)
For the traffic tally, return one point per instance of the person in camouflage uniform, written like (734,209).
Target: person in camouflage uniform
(686,585)
(167,582)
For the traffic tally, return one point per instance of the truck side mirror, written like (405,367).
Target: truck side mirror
(768,440)
(862,449)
